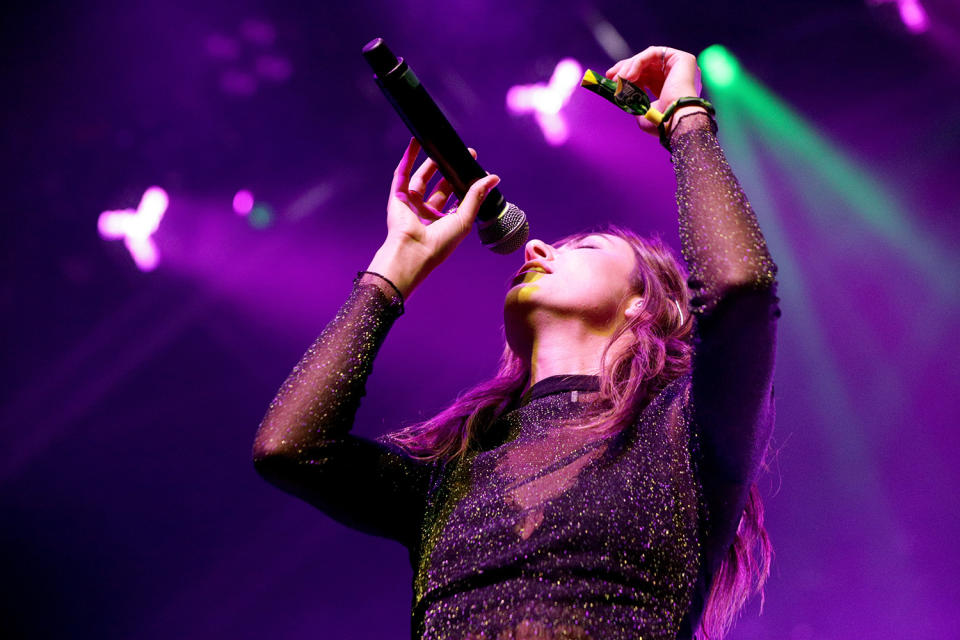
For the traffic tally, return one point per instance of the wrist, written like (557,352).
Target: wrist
(401,263)
(676,125)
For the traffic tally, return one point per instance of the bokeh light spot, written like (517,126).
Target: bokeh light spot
(137,227)
(243,202)
(719,65)
(546,100)
(261,216)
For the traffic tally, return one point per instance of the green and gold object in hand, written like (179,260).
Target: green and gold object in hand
(622,93)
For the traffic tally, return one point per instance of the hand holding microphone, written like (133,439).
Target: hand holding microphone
(502,226)
(419,235)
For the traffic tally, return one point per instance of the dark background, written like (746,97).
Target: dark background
(129,506)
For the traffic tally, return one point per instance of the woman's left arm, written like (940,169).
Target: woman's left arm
(733,279)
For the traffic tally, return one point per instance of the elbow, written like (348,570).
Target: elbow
(755,279)
(273,442)
(264,449)
(264,458)
(273,466)
(756,272)
(752,282)
(269,458)
(284,459)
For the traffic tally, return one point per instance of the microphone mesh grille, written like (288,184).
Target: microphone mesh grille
(508,233)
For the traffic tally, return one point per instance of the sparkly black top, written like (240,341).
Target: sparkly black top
(552,532)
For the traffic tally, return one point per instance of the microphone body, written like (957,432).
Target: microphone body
(502,226)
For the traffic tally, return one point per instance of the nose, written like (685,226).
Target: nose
(537,250)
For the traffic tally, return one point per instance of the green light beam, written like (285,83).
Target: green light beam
(851,461)
(799,146)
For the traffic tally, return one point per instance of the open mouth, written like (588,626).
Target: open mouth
(522,274)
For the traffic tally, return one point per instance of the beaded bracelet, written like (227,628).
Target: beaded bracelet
(380,275)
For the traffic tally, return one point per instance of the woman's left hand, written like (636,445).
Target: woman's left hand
(667,73)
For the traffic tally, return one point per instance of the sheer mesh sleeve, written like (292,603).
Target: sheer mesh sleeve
(304,445)
(736,309)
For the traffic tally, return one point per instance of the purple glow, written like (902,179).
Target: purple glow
(137,227)
(221,47)
(554,128)
(238,83)
(258,32)
(274,67)
(913,15)
(546,100)
(243,202)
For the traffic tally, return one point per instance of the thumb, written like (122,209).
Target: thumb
(475,196)
(455,226)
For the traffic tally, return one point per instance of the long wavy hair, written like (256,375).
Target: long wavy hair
(659,352)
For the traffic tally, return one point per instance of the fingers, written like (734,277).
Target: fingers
(475,196)
(440,195)
(646,68)
(443,190)
(401,175)
(422,176)
(410,190)
(628,67)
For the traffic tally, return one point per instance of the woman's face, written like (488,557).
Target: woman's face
(587,278)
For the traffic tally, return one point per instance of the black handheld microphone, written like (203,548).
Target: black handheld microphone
(502,226)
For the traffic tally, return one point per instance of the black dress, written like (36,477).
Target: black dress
(554,533)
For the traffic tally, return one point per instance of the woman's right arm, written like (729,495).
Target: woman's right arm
(303,444)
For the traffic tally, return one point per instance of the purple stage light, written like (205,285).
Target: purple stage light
(243,202)
(546,100)
(238,83)
(137,227)
(274,67)
(221,47)
(258,32)
(913,15)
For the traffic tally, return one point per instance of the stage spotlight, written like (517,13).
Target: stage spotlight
(546,100)
(719,66)
(912,14)
(137,226)
(243,202)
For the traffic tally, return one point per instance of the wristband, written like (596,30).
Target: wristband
(676,104)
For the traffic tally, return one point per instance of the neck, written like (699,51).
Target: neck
(562,348)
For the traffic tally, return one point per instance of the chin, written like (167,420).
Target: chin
(522,292)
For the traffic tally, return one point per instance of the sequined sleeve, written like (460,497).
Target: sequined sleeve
(736,311)
(304,445)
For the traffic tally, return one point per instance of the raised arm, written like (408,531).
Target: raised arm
(735,302)
(304,445)
(721,239)
(733,282)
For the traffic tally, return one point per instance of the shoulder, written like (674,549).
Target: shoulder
(675,393)
(667,412)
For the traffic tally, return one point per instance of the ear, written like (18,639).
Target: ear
(634,304)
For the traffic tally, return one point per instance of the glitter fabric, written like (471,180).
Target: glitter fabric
(544,531)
